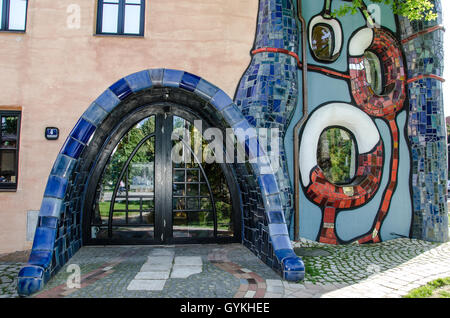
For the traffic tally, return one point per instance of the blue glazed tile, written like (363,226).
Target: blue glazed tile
(221,100)
(276,217)
(63,166)
(293,264)
(139,81)
(95,114)
(108,100)
(83,131)
(232,115)
(27,286)
(72,148)
(281,242)
(273,202)
(56,187)
(44,239)
(294,276)
(278,229)
(156,76)
(189,81)
(253,150)
(48,221)
(31,271)
(285,253)
(40,258)
(47,276)
(268,184)
(261,166)
(244,131)
(206,89)
(121,89)
(172,78)
(50,207)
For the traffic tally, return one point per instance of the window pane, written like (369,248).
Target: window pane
(322,42)
(373,72)
(7,166)
(110,18)
(8,132)
(132,19)
(336,155)
(17,14)
(133,1)
(1,14)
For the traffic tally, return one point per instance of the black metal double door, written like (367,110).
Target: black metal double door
(162,194)
(185,206)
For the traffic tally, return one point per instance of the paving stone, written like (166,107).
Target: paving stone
(345,271)
(162,252)
(184,271)
(156,267)
(160,260)
(145,284)
(274,282)
(188,260)
(152,275)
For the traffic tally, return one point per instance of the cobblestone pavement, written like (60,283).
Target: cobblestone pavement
(8,279)
(388,269)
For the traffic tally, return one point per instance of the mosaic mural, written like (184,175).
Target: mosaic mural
(389,67)
(372,75)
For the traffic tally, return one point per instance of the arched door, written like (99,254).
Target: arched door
(156,188)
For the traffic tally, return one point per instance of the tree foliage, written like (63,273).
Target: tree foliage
(412,9)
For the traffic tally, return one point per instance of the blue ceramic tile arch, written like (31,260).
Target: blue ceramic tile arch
(56,241)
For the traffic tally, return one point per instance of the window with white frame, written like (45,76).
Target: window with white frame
(121,17)
(13,15)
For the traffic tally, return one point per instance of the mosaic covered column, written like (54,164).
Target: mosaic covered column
(267,93)
(423,47)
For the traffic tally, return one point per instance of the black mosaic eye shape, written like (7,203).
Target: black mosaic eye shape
(322,42)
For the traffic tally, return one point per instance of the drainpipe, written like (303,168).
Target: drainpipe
(300,123)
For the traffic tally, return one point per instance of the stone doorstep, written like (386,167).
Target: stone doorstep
(162,252)
(159,260)
(152,275)
(146,284)
(188,260)
(184,271)
(156,267)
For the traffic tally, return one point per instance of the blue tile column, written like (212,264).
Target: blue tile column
(426,127)
(267,93)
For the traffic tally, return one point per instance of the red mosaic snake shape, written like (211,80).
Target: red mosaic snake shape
(386,106)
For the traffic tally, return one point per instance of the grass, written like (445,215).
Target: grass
(438,287)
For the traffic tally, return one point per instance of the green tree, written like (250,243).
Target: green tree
(412,9)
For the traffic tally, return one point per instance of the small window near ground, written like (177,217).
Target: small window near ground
(336,155)
(121,17)
(9,149)
(13,15)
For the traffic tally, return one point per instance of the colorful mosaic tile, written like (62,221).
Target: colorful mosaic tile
(423,48)
(267,93)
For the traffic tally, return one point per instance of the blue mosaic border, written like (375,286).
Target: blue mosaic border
(268,91)
(427,133)
(55,242)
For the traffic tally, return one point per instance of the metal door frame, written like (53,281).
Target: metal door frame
(163,198)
